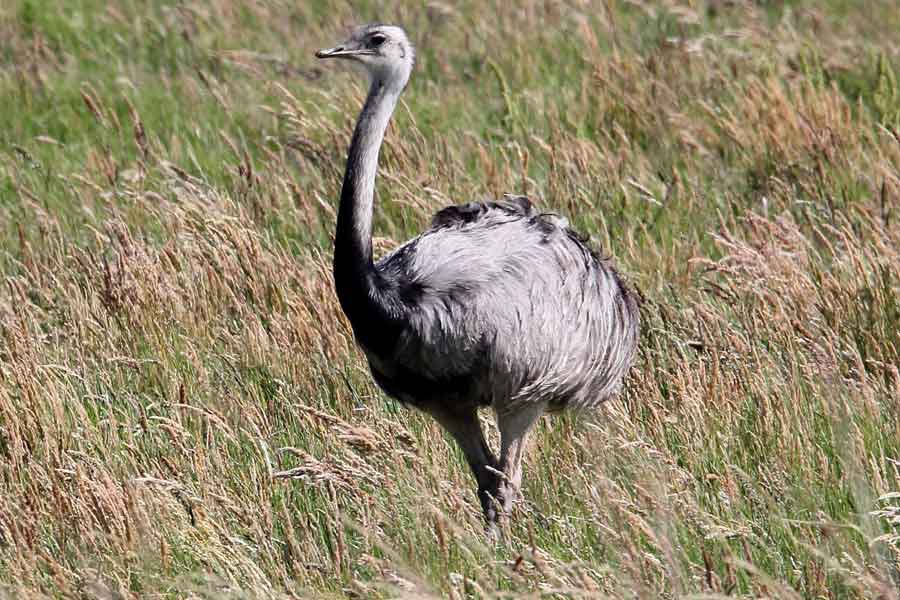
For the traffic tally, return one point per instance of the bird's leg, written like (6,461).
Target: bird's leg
(514,424)
(465,428)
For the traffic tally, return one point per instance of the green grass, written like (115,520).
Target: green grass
(170,339)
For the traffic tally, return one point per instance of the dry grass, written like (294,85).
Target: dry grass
(183,412)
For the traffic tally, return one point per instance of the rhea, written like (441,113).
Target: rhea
(495,305)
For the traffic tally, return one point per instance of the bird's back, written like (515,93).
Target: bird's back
(503,305)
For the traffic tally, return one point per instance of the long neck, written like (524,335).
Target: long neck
(356,279)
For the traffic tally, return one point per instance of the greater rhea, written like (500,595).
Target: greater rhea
(495,305)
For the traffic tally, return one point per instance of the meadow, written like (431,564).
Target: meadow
(183,412)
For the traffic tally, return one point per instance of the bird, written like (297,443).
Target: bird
(496,305)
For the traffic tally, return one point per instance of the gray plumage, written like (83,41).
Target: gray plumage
(515,301)
(495,305)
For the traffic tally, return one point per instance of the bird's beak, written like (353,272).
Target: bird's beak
(340,52)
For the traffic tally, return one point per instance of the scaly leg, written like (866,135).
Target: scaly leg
(465,428)
(514,425)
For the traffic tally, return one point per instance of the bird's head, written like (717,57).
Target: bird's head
(382,50)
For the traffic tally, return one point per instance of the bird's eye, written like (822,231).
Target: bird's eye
(376,40)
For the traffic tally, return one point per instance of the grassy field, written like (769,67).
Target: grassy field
(183,412)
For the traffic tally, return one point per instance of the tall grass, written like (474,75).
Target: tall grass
(183,412)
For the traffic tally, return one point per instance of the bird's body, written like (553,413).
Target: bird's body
(495,305)
(501,305)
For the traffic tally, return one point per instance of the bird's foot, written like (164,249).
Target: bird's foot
(497,505)
(506,497)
